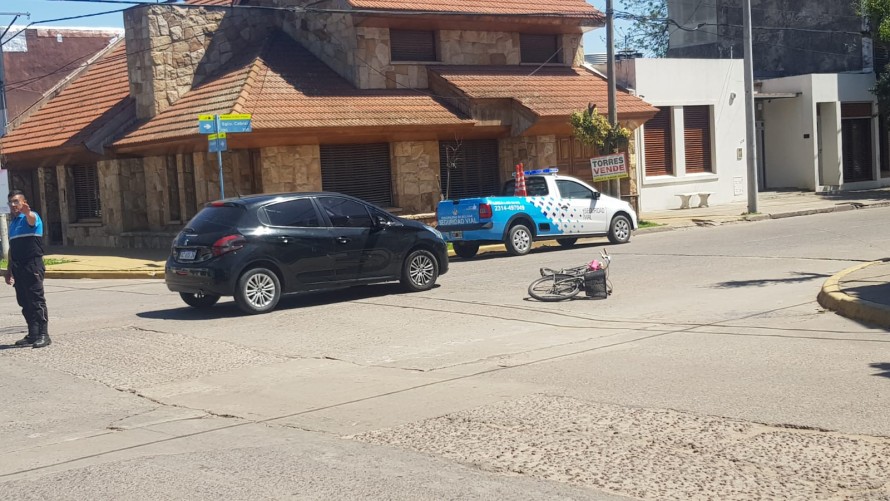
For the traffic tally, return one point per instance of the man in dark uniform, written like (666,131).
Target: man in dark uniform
(26,270)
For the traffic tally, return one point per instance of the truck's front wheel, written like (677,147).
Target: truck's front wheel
(519,240)
(466,250)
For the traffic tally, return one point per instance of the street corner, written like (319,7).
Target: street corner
(859,293)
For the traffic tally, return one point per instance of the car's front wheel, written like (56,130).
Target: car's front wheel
(420,271)
(258,291)
(619,230)
(199,301)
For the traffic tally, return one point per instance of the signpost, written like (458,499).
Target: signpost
(216,127)
(609,167)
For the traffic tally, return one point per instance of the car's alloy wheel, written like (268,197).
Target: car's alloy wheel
(420,271)
(258,291)
(619,231)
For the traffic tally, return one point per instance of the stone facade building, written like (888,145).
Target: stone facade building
(396,102)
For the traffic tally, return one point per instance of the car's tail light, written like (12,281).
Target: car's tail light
(484,211)
(228,244)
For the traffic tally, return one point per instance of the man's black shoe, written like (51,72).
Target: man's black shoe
(42,337)
(41,342)
(33,334)
(25,341)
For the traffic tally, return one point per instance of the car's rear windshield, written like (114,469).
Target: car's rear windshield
(216,218)
(534,186)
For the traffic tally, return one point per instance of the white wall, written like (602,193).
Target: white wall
(690,82)
(792,147)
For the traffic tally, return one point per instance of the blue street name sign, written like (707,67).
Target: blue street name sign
(233,123)
(217,142)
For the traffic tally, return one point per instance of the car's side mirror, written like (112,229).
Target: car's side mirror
(596,195)
(381,222)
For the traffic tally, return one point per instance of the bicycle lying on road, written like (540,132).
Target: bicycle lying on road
(557,285)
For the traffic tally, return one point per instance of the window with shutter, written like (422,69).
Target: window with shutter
(658,144)
(85,182)
(173,190)
(360,170)
(697,138)
(474,168)
(540,48)
(412,45)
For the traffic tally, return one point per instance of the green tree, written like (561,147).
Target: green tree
(878,13)
(594,129)
(649,32)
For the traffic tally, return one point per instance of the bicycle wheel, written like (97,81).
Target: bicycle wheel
(554,287)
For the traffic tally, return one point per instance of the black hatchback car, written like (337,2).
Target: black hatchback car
(258,247)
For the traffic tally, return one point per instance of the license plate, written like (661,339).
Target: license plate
(187,255)
(457,235)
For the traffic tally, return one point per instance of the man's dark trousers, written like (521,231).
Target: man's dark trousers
(28,275)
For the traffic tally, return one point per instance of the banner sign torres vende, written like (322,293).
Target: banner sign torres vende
(609,167)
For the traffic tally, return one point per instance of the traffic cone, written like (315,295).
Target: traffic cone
(519,187)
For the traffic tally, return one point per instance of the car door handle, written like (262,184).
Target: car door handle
(285,239)
(342,240)
(565,206)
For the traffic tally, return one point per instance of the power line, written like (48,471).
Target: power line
(70,18)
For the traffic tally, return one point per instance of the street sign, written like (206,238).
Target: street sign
(234,122)
(217,142)
(609,167)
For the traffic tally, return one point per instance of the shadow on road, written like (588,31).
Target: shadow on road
(539,250)
(228,308)
(797,278)
(885,367)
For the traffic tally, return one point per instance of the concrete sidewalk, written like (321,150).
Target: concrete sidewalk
(861,292)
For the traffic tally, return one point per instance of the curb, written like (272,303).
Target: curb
(833,298)
(100,275)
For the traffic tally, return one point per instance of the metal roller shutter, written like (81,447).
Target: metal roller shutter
(412,45)
(360,170)
(658,143)
(476,168)
(539,48)
(85,180)
(697,138)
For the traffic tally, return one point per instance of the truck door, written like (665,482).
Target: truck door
(581,206)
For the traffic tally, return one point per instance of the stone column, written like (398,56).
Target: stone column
(415,170)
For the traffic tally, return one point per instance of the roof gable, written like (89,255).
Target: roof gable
(80,113)
(284,86)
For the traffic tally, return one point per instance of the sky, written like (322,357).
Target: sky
(42,10)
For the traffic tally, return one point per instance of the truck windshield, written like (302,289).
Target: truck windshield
(536,186)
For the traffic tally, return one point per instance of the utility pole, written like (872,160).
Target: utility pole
(750,126)
(610,74)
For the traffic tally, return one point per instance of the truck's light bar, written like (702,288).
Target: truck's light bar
(551,170)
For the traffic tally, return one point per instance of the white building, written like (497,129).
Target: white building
(696,143)
(821,132)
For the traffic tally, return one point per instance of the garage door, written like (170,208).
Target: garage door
(360,170)
(474,168)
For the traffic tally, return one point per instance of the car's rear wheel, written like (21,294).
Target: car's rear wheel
(519,240)
(258,291)
(566,242)
(619,230)
(466,250)
(420,271)
(199,301)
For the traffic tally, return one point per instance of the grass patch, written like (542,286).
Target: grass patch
(648,224)
(47,261)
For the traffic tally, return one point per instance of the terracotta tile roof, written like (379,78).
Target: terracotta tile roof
(99,96)
(573,8)
(551,91)
(285,86)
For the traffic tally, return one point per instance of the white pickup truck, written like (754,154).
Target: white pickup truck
(557,208)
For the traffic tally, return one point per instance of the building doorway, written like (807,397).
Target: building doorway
(856,134)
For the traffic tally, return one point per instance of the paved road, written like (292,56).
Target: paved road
(710,373)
